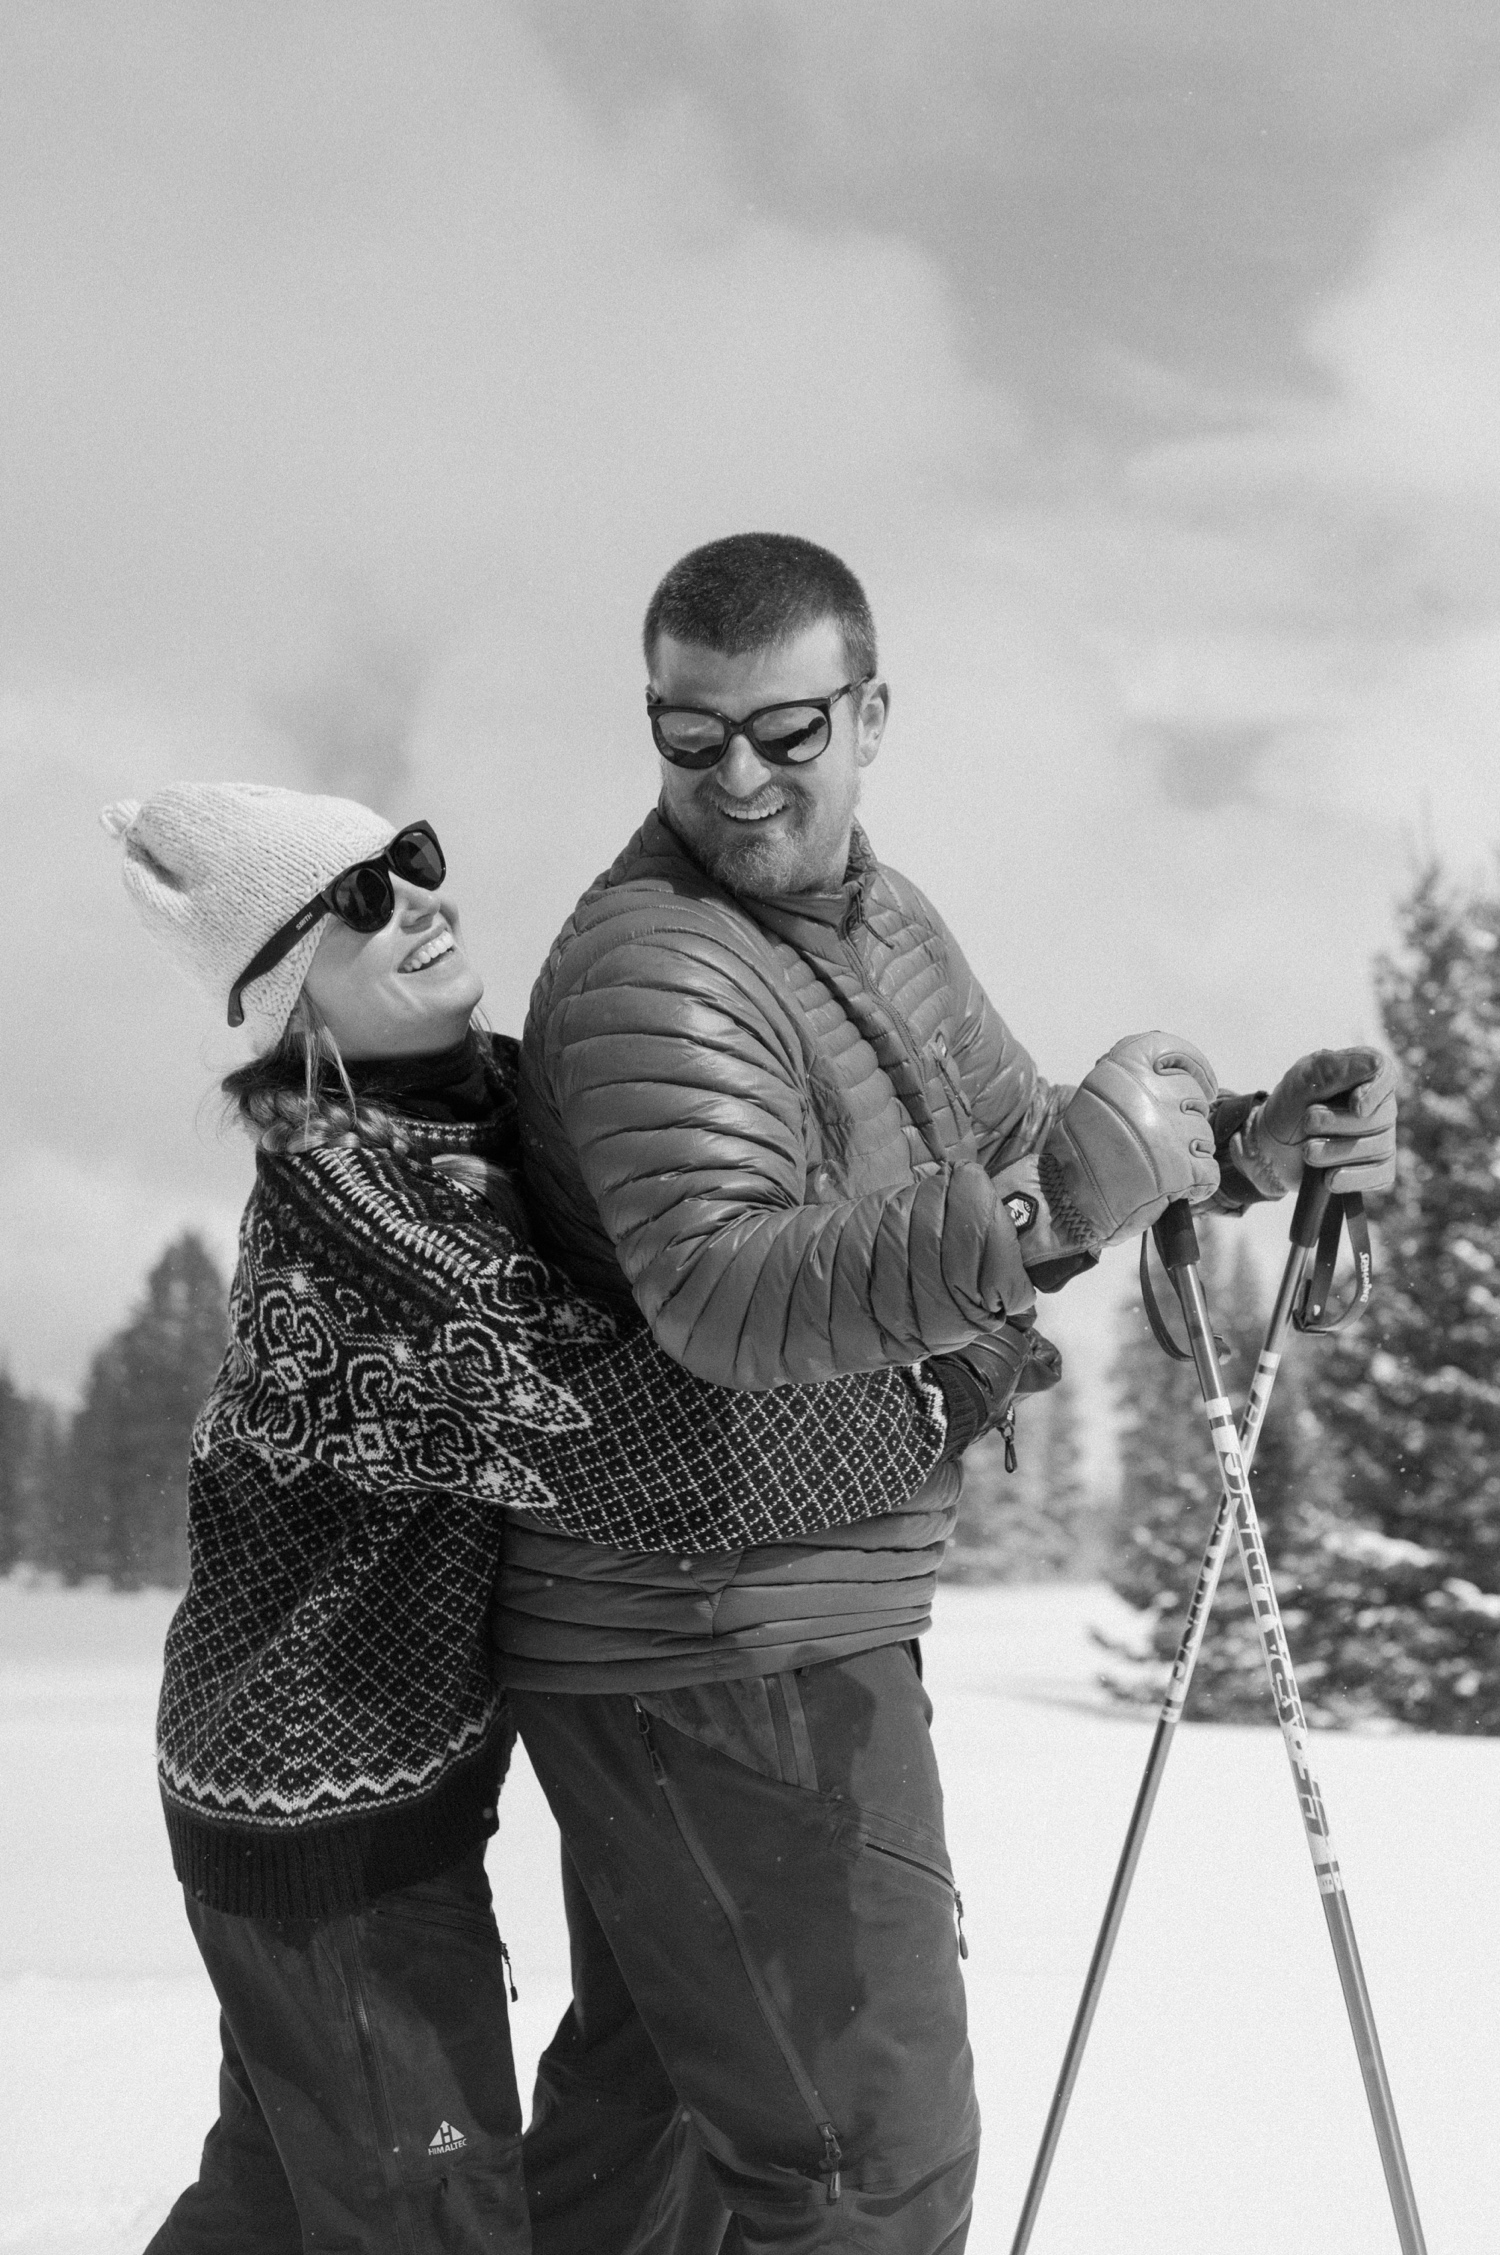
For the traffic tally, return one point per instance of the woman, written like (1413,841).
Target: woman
(401,1369)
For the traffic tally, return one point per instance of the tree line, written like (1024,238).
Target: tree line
(102,1493)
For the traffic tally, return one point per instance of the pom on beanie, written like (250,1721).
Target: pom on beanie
(214,869)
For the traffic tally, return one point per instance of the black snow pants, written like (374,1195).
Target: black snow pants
(758,1869)
(367,2095)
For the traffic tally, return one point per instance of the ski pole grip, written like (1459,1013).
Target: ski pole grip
(1311,1206)
(1176,1238)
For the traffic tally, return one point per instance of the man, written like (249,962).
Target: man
(766,1103)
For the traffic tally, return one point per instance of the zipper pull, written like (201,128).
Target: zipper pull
(1007,1431)
(644,1720)
(833,2161)
(510,1979)
(958,1912)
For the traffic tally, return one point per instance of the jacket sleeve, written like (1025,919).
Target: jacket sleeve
(449,1357)
(670,1072)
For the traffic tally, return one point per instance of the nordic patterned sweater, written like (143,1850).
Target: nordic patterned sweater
(401,1370)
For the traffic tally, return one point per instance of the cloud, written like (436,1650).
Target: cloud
(1106,185)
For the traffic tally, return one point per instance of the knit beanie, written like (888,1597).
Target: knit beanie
(214,869)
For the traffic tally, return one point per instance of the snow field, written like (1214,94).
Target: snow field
(1220,2106)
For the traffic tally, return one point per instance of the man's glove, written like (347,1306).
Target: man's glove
(980,1382)
(1134,1135)
(1300,1124)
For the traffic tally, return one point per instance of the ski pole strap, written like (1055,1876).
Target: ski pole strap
(1310,1313)
(1160,1331)
(1177,1243)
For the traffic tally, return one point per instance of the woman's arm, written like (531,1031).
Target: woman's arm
(389,1323)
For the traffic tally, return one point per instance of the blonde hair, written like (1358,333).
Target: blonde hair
(297,1095)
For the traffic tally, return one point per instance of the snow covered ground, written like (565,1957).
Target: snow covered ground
(1220,2110)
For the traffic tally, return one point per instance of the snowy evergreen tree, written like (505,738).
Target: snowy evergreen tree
(124,1482)
(1400,1610)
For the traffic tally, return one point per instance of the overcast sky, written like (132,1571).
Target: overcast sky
(363,366)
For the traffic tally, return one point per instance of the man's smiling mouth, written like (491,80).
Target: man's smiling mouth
(748,811)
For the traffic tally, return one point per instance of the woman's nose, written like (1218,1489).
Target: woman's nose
(413,905)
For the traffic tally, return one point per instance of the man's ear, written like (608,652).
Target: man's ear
(874,711)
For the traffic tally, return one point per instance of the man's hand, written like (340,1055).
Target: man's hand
(1303,1123)
(1134,1135)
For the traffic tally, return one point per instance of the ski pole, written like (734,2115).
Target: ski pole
(1307,1227)
(1177,1243)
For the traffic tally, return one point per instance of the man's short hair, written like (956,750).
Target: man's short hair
(755,589)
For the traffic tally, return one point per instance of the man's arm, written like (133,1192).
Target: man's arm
(674,1073)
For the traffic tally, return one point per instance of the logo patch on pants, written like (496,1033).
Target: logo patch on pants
(445,2139)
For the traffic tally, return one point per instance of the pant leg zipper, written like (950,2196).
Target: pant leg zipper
(379,2097)
(833,2158)
(932,1871)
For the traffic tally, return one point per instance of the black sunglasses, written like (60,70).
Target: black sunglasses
(361,896)
(784,735)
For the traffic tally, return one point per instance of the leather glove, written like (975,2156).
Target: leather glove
(1299,1124)
(980,1382)
(1134,1135)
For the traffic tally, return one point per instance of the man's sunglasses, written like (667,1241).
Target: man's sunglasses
(361,896)
(783,735)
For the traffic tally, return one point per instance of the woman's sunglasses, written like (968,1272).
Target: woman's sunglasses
(783,735)
(361,896)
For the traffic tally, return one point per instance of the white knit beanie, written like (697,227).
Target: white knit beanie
(215,868)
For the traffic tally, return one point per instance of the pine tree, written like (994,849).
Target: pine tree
(124,1483)
(1400,1608)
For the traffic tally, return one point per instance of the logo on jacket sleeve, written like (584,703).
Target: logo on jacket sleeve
(445,2139)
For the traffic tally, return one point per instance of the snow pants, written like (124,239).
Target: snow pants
(367,2095)
(756,1873)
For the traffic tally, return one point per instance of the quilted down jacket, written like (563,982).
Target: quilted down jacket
(772,1121)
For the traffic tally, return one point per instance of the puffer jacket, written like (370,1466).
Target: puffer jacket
(775,1119)
(771,1124)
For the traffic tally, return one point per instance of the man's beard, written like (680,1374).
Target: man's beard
(745,859)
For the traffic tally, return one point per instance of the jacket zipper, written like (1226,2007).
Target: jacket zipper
(828,2136)
(934,1871)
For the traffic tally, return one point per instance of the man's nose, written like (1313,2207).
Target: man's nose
(741,771)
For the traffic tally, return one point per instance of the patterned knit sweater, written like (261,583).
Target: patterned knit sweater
(402,1369)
